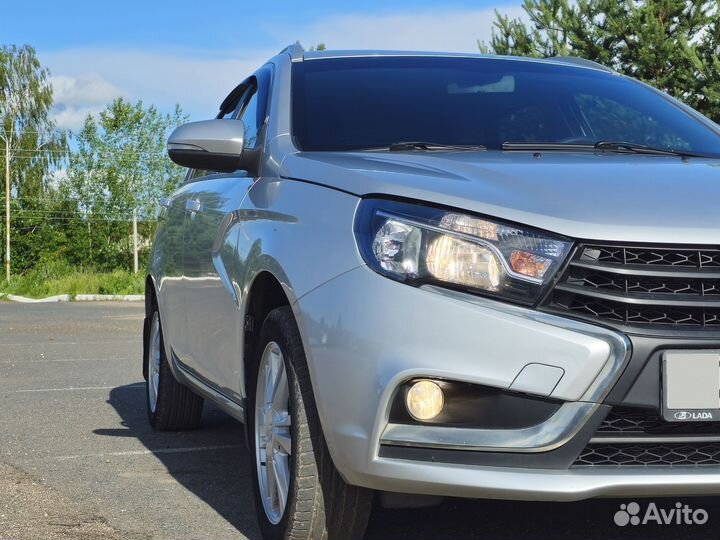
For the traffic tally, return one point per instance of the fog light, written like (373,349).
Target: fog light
(424,400)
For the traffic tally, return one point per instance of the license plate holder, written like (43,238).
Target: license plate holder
(691,386)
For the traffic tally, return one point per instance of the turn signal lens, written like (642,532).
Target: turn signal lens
(424,400)
(529,264)
(465,263)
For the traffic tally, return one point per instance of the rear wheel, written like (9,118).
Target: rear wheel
(298,491)
(170,405)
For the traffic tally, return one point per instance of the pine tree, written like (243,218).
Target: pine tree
(673,45)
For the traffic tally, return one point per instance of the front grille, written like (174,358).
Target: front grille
(659,256)
(663,449)
(625,421)
(642,287)
(649,455)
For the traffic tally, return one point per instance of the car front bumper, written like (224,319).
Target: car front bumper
(532,484)
(365,335)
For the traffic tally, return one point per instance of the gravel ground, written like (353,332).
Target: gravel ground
(31,510)
(78,460)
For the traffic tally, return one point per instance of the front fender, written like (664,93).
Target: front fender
(300,233)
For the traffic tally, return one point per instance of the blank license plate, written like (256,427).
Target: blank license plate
(691,386)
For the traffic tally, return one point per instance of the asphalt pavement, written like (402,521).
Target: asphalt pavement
(79,461)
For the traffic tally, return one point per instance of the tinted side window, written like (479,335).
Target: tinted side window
(251,117)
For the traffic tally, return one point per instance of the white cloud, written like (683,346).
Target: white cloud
(87,88)
(197,82)
(87,79)
(448,30)
(76,97)
(72,118)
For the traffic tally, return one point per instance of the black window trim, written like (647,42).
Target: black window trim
(235,102)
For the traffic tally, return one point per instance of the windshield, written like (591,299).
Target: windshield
(373,102)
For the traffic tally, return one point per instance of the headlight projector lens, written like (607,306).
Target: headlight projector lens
(424,400)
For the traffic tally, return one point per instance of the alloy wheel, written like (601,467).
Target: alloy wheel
(273,441)
(153,381)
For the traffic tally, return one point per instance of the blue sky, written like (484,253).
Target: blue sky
(193,52)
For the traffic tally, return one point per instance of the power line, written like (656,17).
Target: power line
(38,132)
(89,154)
(68,215)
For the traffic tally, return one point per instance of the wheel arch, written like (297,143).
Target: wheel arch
(264,295)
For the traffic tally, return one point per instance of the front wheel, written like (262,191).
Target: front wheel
(298,491)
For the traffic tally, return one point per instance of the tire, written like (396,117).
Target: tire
(170,405)
(319,504)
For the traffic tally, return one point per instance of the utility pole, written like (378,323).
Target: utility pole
(135,241)
(7,137)
(7,208)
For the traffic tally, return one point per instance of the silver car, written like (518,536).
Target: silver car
(443,275)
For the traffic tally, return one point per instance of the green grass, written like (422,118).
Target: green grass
(53,278)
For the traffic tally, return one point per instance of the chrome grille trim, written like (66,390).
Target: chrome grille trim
(628,286)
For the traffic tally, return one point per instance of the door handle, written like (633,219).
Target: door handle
(194,206)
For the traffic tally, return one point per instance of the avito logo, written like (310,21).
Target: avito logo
(681,514)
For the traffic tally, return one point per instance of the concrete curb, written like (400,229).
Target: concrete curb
(76,298)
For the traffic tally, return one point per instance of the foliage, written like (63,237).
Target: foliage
(76,207)
(59,277)
(120,165)
(29,146)
(673,45)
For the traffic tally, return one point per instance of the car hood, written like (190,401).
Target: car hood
(608,196)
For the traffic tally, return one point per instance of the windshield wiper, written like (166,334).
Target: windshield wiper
(636,148)
(421,145)
(547,146)
(602,146)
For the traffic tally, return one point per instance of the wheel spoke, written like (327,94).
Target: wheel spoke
(271,481)
(269,382)
(283,441)
(282,480)
(281,393)
(281,419)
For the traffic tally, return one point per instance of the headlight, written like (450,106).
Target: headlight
(421,244)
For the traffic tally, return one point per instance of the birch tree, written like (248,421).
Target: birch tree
(27,133)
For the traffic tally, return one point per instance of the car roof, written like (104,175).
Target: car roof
(300,55)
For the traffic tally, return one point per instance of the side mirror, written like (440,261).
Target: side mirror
(212,145)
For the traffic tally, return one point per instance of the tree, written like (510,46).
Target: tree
(29,142)
(318,47)
(673,45)
(120,168)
